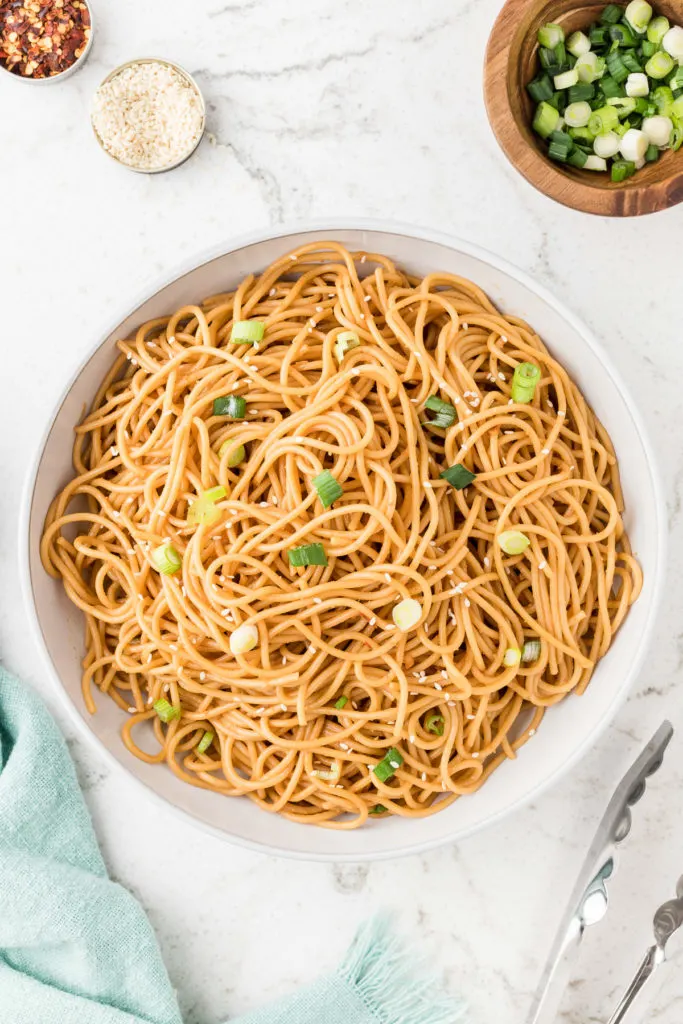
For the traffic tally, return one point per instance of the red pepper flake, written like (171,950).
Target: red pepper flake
(39,39)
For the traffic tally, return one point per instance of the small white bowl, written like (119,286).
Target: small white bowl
(195,88)
(77,64)
(568,729)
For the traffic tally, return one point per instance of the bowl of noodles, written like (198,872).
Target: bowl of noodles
(356,547)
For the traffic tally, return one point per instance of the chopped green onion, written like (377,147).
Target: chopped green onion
(327,776)
(603,120)
(652,154)
(549,61)
(458,476)
(550,35)
(622,35)
(577,115)
(513,542)
(244,639)
(577,158)
(631,64)
(677,109)
(524,381)
(435,722)
(345,340)
(676,80)
(616,67)
(657,29)
(663,99)
(203,511)
(406,614)
(606,146)
(236,456)
(595,163)
(560,146)
(659,65)
(166,559)
(610,87)
(445,412)
(673,42)
(166,712)
(205,742)
(307,554)
(233,406)
(598,35)
(582,137)
(546,120)
(578,44)
(377,809)
(581,91)
(622,169)
(392,760)
(658,130)
(638,14)
(531,650)
(341,703)
(512,656)
(624,105)
(247,331)
(567,78)
(611,14)
(328,489)
(589,67)
(647,48)
(677,137)
(634,146)
(540,89)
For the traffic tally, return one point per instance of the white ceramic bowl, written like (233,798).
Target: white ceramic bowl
(568,729)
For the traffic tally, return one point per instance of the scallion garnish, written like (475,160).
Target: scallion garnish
(458,476)
(166,559)
(512,657)
(445,412)
(513,542)
(205,742)
(166,712)
(307,554)
(377,809)
(550,35)
(531,650)
(524,381)
(328,489)
(233,406)
(345,340)
(341,703)
(236,456)
(247,332)
(435,722)
(203,511)
(392,760)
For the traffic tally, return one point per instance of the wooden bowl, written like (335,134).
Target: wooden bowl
(511,62)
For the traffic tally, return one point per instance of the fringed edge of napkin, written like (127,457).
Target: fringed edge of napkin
(393,983)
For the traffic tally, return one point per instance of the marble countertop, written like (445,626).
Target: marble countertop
(320,110)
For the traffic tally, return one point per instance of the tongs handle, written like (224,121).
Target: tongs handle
(588,902)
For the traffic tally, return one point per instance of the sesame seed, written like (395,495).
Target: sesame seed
(444,673)
(202,676)
(114,451)
(426,483)
(438,686)
(361,316)
(561,412)
(411,739)
(545,451)
(312,649)
(387,577)
(319,309)
(273,291)
(487,562)
(363,259)
(451,703)
(284,707)
(470,717)
(416,353)
(465,325)
(532,732)
(284,659)
(372,621)
(467,602)
(131,711)
(317,600)
(542,564)
(424,776)
(501,376)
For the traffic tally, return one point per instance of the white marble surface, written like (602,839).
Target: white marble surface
(324,109)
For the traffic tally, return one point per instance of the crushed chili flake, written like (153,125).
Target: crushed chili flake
(42,38)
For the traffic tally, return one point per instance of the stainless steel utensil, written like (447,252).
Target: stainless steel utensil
(588,902)
(639,994)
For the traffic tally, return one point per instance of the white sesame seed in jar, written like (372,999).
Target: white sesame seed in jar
(148,115)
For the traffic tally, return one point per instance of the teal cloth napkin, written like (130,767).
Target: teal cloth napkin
(76,948)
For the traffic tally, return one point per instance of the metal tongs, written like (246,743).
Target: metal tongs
(588,902)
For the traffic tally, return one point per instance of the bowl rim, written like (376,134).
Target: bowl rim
(622,200)
(326,228)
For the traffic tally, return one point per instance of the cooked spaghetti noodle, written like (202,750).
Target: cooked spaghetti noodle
(337,713)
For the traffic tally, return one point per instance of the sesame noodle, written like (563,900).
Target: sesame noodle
(151,445)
